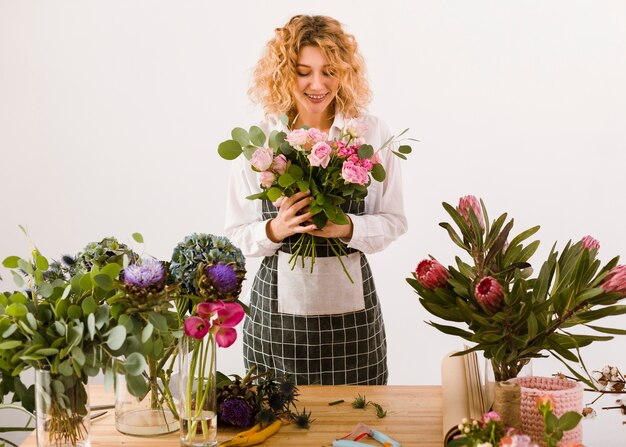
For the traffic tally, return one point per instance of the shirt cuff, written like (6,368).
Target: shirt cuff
(260,235)
(357,241)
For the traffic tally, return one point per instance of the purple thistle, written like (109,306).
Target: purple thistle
(222,277)
(145,273)
(236,412)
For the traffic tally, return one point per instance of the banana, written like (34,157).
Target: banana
(249,438)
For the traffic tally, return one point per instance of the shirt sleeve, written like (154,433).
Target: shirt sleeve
(244,224)
(385,219)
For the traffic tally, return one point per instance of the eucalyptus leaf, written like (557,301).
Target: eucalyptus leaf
(41,262)
(135,364)
(365,151)
(10,262)
(16,310)
(146,333)
(378,172)
(257,137)
(229,149)
(116,337)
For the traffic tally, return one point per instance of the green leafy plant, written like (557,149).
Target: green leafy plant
(510,315)
(72,323)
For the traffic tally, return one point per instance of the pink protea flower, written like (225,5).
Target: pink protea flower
(590,243)
(431,274)
(471,202)
(489,294)
(615,281)
(196,327)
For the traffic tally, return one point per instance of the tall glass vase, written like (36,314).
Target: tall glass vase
(151,415)
(62,410)
(197,409)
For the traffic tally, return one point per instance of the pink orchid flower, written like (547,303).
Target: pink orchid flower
(197,327)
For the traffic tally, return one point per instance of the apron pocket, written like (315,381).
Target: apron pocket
(326,291)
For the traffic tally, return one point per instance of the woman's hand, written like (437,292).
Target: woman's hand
(331,230)
(291,215)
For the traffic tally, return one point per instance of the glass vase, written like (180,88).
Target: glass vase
(62,410)
(197,382)
(153,414)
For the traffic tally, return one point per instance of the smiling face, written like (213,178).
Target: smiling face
(315,88)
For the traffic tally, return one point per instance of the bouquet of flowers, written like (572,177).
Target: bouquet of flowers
(210,271)
(490,431)
(62,326)
(510,315)
(334,170)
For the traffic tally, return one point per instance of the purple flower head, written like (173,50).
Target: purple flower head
(236,412)
(222,277)
(145,273)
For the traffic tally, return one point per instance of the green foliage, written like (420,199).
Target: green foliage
(537,312)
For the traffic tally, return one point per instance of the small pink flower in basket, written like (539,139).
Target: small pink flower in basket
(517,441)
(431,274)
(298,137)
(615,281)
(320,154)
(489,294)
(280,164)
(471,202)
(262,158)
(545,401)
(590,243)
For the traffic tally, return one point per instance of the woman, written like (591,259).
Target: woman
(316,327)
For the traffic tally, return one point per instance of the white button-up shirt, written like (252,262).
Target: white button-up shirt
(384,219)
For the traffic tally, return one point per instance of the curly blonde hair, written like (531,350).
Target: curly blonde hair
(275,74)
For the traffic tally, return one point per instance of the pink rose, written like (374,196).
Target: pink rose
(280,164)
(489,294)
(316,135)
(320,154)
(262,158)
(298,137)
(471,202)
(431,274)
(615,281)
(353,173)
(267,179)
(590,243)
(356,127)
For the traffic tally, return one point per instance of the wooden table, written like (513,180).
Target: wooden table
(414,418)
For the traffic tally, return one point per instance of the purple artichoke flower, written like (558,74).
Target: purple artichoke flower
(222,277)
(236,412)
(148,272)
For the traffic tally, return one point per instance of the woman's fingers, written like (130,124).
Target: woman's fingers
(289,201)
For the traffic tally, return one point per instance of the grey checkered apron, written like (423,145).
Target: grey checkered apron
(348,348)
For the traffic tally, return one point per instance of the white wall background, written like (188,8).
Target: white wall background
(111,113)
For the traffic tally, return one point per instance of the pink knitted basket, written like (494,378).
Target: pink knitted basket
(568,396)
